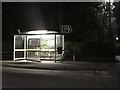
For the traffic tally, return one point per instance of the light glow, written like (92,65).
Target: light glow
(40,32)
(46,62)
(117,38)
(109,1)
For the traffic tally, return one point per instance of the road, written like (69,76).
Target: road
(31,78)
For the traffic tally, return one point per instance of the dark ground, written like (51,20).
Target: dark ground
(83,77)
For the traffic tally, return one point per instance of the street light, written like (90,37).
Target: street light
(117,47)
(117,38)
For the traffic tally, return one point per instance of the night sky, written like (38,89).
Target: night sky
(29,16)
(33,15)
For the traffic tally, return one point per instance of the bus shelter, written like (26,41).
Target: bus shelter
(38,47)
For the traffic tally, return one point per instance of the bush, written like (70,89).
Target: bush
(89,49)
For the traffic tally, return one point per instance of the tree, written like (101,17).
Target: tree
(106,20)
(95,24)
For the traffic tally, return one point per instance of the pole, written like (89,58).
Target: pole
(55,48)
(14,49)
(60,24)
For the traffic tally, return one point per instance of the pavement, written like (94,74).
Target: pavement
(65,65)
(68,74)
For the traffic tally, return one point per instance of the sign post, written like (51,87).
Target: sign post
(66,29)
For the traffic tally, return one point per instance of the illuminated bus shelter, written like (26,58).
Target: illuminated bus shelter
(38,46)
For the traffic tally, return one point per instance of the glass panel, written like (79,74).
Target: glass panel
(59,44)
(33,54)
(47,43)
(19,54)
(33,47)
(19,42)
(60,41)
(47,55)
(33,42)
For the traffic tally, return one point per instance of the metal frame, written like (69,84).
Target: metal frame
(26,50)
(55,48)
(14,50)
(18,50)
(30,50)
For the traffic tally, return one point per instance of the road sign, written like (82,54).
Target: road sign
(66,29)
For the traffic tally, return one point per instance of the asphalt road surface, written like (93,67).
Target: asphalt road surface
(31,78)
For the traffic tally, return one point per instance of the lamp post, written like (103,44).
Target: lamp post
(117,47)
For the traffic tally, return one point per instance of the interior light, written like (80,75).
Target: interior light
(40,32)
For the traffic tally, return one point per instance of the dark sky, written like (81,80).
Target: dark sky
(32,16)
(29,16)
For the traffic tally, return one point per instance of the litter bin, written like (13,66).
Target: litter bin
(59,50)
